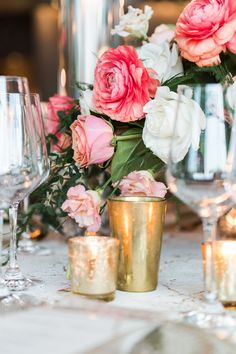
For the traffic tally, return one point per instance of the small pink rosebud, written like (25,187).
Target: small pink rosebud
(142,183)
(84,207)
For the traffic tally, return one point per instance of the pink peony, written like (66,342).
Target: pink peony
(122,85)
(91,140)
(58,103)
(162,33)
(142,183)
(84,207)
(205,29)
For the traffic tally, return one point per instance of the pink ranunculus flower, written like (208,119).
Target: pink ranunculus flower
(58,103)
(162,33)
(205,29)
(84,207)
(142,183)
(91,140)
(122,85)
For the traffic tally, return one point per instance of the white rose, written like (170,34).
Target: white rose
(135,23)
(163,59)
(162,33)
(159,125)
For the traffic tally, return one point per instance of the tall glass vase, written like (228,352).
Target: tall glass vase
(85,33)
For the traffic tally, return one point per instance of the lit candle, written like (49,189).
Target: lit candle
(94,262)
(225,269)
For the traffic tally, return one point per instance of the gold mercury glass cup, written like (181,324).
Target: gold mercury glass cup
(94,262)
(225,269)
(138,223)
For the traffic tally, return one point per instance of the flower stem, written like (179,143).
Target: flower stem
(106,183)
(125,137)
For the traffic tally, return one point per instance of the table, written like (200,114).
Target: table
(65,319)
(180,277)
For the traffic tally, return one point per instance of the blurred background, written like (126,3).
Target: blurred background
(29,37)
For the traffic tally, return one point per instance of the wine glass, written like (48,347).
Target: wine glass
(19,169)
(26,245)
(9,84)
(197,173)
(15,84)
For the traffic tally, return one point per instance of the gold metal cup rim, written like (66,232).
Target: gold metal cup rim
(93,239)
(137,199)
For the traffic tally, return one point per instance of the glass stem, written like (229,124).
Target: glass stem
(1,240)
(13,242)
(26,207)
(209,230)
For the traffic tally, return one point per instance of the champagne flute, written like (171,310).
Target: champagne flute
(26,245)
(19,170)
(196,174)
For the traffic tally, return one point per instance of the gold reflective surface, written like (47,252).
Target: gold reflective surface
(138,223)
(94,261)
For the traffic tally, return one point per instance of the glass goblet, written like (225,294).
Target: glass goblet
(19,171)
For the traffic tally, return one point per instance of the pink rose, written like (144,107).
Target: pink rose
(84,207)
(162,33)
(58,103)
(122,85)
(91,140)
(142,183)
(205,29)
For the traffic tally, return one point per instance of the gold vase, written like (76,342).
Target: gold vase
(138,223)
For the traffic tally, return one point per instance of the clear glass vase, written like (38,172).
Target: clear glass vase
(85,33)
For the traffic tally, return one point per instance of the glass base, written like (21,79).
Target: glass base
(211,316)
(17,284)
(15,281)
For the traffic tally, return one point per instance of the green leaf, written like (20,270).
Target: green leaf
(132,155)
(178,80)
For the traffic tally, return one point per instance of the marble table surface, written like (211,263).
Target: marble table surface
(64,323)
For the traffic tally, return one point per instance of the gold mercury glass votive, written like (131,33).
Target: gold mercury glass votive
(94,263)
(225,270)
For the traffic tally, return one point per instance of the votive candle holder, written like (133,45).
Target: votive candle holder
(94,265)
(225,269)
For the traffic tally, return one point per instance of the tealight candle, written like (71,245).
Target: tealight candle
(94,263)
(225,269)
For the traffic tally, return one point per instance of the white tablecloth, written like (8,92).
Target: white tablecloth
(180,277)
(68,323)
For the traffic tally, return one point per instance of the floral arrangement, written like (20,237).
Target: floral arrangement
(114,139)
